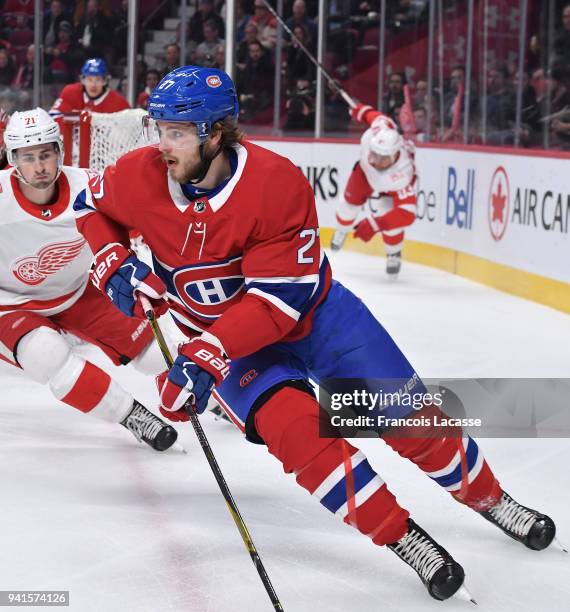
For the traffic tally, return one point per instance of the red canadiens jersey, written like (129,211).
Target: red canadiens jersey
(245,265)
(73,98)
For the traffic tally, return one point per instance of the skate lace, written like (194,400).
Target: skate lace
(418,552)
(143,424)
(512,516)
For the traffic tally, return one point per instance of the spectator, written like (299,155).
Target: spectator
(394,97)
(65,57)
(151,81)
(299,18)
(421,120)
(220,56)
(206,50)
(52,19)
(242,53)
(206,12)
(25,76)
(451,96)
(94,31)
(299,66)
(17,14)
(420,92)
(255,82)
(266,25)
(562,42)
(301,107)
(242,19)
(559,118)
(456,82)
(7,68)
(500,107)
(530,112)
(171,60)
(312,8)
(538,83)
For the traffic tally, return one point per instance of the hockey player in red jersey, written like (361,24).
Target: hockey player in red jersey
(44,288)
(235,240)
(91,93)
(386,167)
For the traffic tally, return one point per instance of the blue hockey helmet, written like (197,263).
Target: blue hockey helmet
(198,95)
(94,67)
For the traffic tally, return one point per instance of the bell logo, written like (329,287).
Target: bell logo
(498,211)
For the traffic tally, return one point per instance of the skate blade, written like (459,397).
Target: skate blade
(560,545)
(464,594)
(178,447)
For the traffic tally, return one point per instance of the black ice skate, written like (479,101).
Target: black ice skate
(536,531)
(146,427)
(442,576)
(393,263)
(338,239)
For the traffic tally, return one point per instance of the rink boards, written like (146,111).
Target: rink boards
(500,217)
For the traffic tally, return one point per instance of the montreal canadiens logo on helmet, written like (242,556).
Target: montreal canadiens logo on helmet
(214,80)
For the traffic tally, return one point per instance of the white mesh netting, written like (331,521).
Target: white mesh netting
(112,135)
(115,134)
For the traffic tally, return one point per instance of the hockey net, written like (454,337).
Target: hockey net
(97,140)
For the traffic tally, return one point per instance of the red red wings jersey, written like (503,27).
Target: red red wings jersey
(44,259)
(244,265)
(73,98)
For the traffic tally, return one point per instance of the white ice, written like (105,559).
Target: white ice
(85,508)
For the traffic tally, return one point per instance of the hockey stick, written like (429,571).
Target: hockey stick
(232,506)
(350,101)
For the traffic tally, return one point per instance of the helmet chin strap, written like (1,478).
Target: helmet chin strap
(205,163)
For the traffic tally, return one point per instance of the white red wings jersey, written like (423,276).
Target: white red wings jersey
(244,265)
(44,260)
(397,181)
(73,99)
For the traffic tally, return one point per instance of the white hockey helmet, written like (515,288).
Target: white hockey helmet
(30,128)
(386,142)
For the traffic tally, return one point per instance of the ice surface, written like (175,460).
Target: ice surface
(84,507)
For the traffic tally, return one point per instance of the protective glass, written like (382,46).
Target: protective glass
(170,134)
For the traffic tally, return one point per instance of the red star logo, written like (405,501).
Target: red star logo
(498,202)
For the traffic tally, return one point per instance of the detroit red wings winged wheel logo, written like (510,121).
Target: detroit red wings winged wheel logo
(52,258)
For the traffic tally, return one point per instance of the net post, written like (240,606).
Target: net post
(66,127)
(84,139)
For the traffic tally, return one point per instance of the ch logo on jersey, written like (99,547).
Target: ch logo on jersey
(209,290)
(34,269)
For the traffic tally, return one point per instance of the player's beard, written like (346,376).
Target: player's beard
(184,171)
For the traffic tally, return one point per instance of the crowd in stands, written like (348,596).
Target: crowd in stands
(74,30)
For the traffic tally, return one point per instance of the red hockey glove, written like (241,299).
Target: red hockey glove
(118,273)
(359,111)
(200,366)
(366,229)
